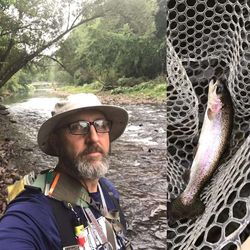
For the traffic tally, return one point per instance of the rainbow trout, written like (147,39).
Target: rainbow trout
(214,137)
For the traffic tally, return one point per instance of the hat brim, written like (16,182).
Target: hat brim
(117,115)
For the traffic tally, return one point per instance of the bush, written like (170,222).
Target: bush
(82,77)
(109,79)
(61,77)
(17,84)
(119,90)
(130,81)
(154,88)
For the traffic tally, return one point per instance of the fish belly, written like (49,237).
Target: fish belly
(206,159)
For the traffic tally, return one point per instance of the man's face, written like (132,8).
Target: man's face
(84,155)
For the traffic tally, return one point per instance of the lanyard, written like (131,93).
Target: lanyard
(105,243)
(53,185)
(65,188)
(96,225)
(104,205)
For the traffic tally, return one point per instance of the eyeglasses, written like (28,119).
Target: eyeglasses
(83,127)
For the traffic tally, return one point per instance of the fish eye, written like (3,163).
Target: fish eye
(219,89)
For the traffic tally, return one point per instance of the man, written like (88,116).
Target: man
(72,206)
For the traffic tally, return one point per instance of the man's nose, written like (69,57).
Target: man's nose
(92,135)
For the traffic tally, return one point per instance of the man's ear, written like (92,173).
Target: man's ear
(109,147)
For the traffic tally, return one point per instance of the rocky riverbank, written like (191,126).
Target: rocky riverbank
(7,151)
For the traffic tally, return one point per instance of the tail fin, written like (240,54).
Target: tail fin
(177,210)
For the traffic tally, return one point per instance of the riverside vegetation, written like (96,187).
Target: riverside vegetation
(153,91)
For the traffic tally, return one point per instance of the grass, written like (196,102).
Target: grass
(88,88)
(153,89)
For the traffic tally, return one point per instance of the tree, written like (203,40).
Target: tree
(122,44)
(161,27)
(160,19)
(29,27)
(138,15)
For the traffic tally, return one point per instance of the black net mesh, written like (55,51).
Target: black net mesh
(206,39)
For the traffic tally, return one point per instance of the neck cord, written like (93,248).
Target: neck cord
(104,205)
(90,216)
(93,233)
(96,225)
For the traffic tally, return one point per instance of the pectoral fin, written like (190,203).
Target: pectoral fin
(210,114)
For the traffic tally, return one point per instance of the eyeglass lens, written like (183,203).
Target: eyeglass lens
(83,127)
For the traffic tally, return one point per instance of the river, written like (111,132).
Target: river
(138,163)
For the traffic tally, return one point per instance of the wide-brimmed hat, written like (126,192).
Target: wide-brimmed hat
(77,103)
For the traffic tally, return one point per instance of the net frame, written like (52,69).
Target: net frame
(206,39)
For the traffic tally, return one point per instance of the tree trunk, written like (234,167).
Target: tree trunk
(23,61)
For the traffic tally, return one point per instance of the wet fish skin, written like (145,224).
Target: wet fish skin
(214,137)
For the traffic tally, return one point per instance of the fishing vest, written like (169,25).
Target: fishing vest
(64,195)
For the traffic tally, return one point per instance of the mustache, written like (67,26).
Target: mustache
(92,149)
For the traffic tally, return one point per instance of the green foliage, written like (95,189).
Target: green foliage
(28,27)
(60,76)
(138,15)
(121,45)
(120,49)
(82,76)
(154,88)
(6,3)
(129,82)
(46,70)
(108,78)
(160,19)
(19,83)
(124,53)
(88,88)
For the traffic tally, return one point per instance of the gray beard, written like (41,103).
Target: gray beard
(91,170)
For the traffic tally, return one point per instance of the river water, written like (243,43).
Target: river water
(138,164)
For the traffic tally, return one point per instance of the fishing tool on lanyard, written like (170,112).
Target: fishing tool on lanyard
(79,228)
(105,244)
(78,195)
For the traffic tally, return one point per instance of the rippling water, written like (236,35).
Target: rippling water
(138,164)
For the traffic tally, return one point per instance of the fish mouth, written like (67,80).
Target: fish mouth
(215,95)
(216,87)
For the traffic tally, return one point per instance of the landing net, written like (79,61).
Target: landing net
(205,38)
